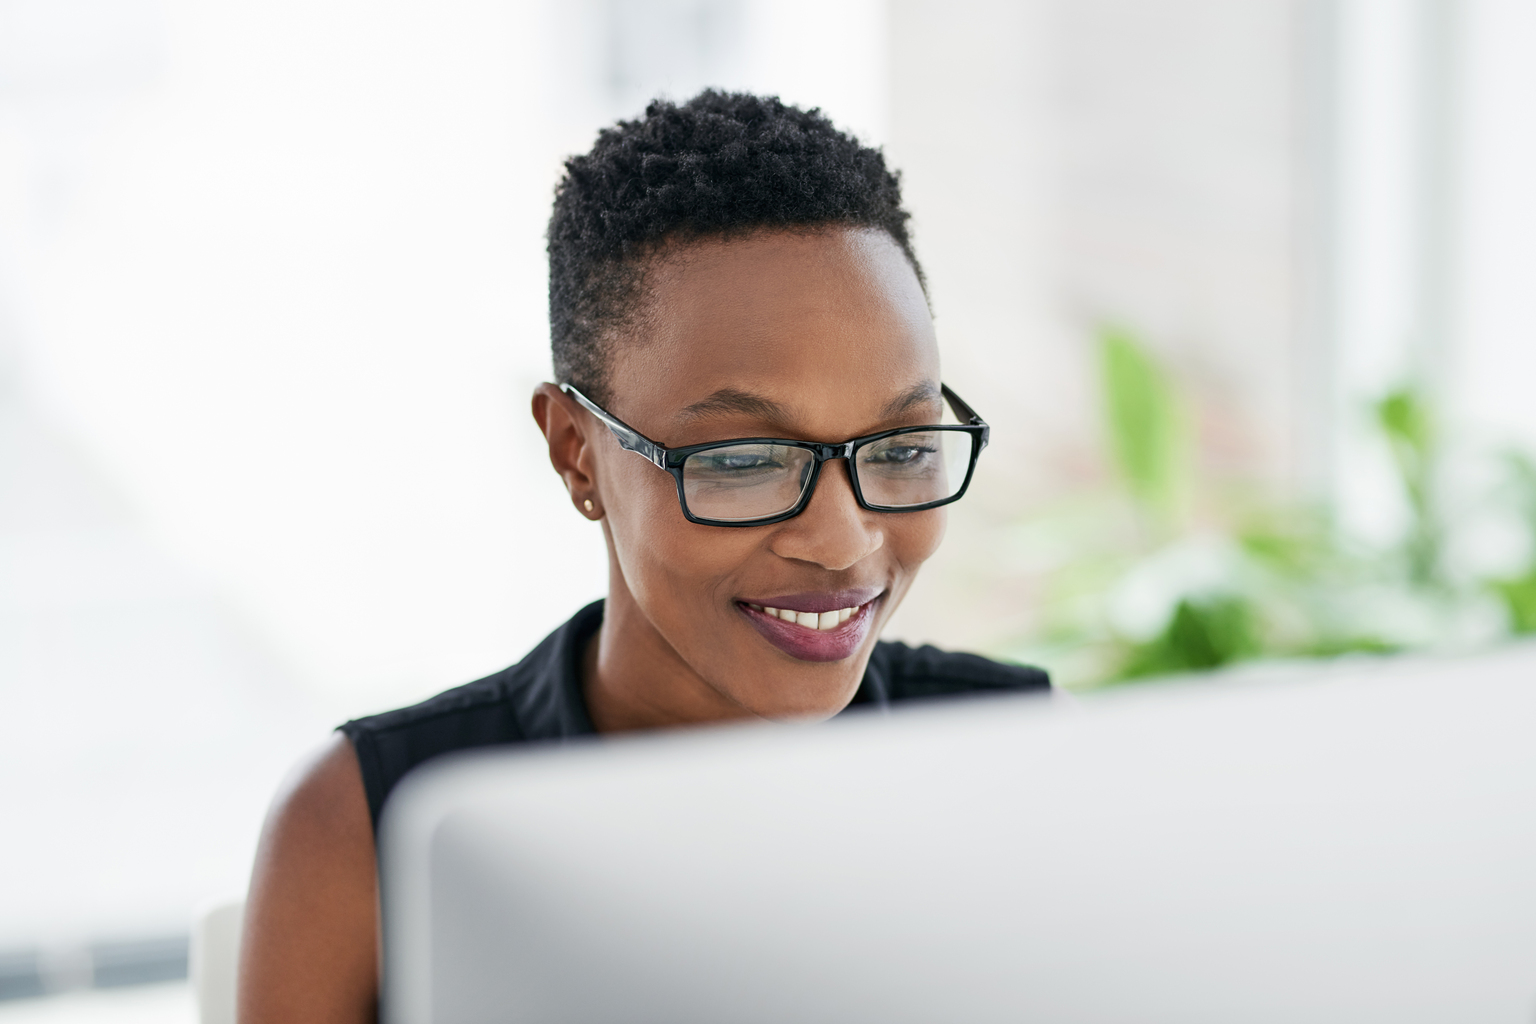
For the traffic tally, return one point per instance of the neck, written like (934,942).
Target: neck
(633,679)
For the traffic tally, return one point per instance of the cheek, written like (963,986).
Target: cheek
(668,563)
(915,536)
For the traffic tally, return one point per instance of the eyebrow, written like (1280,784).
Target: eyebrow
(735,400)
(918,394)
(728,400)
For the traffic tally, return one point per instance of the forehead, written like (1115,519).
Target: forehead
(829,325)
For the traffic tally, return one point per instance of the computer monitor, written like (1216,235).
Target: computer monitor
(1357,844)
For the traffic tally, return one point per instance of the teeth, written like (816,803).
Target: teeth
(810,620)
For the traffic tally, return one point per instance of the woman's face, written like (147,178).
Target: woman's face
(820,336)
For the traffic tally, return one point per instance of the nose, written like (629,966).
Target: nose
(833,531)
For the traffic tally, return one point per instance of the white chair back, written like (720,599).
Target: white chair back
(215,960)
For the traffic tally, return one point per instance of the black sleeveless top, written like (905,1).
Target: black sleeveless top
(539,700)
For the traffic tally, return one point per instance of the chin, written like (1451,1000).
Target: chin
(815,714)
(780,706)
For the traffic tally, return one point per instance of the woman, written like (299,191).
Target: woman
(748,400)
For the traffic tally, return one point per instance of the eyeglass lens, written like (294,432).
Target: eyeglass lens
(757,481)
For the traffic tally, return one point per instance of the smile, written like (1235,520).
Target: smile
(822,621)
(824,627)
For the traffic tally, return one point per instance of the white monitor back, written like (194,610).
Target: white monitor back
(1355,846)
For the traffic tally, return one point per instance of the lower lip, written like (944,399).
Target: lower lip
(808,644)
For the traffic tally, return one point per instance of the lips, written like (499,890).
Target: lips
(808,642)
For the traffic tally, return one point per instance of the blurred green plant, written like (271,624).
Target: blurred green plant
(1518,593)
(1250,579)
(1145,426)
(1204,633)
(1405,421)
(1519,596)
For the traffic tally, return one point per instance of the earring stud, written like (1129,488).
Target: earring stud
(587,504)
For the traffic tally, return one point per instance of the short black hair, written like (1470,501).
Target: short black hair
(721,164)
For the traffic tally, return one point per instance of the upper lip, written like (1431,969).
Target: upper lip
(820,600)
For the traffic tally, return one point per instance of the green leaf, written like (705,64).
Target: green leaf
(1203,634)
(1404,417)
(1519,596)
(1144,423)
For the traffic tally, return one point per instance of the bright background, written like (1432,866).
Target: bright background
(272,302)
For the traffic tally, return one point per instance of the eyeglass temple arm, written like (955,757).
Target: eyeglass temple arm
(966,414)
(630,439)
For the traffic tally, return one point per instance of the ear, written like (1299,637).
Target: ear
(571,451)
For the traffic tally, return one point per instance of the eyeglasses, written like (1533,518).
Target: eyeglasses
(754,481)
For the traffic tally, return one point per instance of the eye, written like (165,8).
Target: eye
(903,454)
(736,461)
(740,464)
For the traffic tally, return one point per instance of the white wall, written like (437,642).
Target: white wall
(1494,365)
(1431,245)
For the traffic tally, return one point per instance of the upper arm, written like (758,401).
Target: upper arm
(309,952)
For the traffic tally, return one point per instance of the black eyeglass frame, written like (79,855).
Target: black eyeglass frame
(672,459)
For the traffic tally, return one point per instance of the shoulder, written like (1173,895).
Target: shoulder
(323,790)
(916,672)
(308,949)
(535,700)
